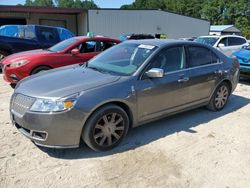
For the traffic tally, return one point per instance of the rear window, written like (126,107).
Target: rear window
(48,35)
(64,34)
(233,41)
(9,31)
(199,56)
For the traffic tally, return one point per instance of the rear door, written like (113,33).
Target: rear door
(205,70)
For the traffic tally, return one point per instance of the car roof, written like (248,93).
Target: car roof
(219,36)
(161,42)
(95,37)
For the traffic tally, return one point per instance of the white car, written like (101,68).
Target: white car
(228,44)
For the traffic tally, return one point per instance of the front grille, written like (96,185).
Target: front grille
(20,104)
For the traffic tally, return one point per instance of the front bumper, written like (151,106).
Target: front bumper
(13,75)
(53,130)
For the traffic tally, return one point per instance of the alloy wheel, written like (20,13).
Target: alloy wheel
(221,97)
(109,129)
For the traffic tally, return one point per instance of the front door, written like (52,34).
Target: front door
(158,96)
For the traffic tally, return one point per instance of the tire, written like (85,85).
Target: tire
(219,98)
(40,69)
(106,128)
(3,54)
(13,85)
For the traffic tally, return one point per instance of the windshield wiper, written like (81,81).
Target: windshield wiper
(96,69)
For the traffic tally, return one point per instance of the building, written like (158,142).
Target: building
(224,30)
(107,22)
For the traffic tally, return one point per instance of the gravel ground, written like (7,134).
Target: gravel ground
(198,148)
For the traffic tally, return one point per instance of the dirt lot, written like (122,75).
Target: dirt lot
(193,149)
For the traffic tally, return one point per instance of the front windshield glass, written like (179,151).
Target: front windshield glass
(62,45)
(123,59)
(207,40)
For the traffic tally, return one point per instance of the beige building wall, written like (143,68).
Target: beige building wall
(82,20)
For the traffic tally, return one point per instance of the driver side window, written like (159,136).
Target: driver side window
(171,59)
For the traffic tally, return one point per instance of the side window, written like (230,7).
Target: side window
(224,41)
(48,35)
(234,41)
(199,56)
(104,45)
(29,32)
(89,46)
(170,59)
(64,34)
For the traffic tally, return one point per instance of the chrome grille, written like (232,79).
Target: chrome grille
(20,104)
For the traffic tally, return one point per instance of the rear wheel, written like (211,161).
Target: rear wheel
(220,97)
(106,128)
(40,69)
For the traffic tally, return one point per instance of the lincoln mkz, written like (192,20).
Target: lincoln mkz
(128,85)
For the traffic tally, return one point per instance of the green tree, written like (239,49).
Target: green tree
(76,4)
(43,3)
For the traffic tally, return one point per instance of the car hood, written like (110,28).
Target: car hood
(242,53)
(63,82)
(26,54)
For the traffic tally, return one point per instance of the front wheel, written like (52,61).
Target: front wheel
(40,69)
(106,128)
(219,98)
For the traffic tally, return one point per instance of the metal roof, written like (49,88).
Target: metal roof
(32,9)
(220,27)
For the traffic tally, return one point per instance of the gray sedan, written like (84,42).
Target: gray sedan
(126,86)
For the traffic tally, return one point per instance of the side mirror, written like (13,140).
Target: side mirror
(75,51)
(221,45)
(155,73)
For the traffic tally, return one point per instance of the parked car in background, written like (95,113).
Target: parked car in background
(228,44)
(136,37)
(243,57)
(67,52)
(130,84)
(188,39)
(17,38)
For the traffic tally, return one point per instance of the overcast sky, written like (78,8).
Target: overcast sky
(100,3)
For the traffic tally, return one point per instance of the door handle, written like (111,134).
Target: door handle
(185,79)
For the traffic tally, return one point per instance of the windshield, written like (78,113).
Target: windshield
(62,45)
(207,40)
(122,59)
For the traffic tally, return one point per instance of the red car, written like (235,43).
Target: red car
(71,51)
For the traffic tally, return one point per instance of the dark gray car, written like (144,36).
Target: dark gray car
(128,85)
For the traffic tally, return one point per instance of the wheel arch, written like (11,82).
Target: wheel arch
(121,104)
(36,67)
(224,80)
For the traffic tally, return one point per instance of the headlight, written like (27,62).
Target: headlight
(48,105)
(246,60)
(19,63)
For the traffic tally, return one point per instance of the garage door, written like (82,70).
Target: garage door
(57,23)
